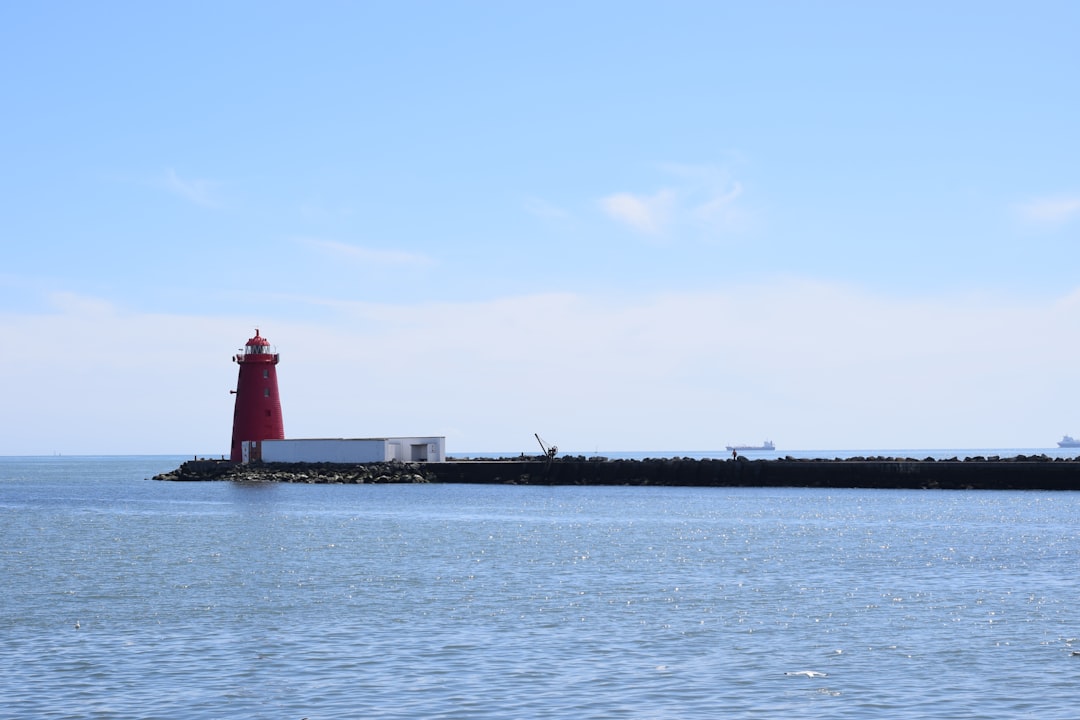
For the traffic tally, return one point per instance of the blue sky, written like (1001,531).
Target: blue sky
(625,226)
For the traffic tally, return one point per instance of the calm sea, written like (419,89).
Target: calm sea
(129,598)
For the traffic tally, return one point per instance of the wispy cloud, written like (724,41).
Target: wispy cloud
(368,256)
(647,214)
(314,210)
(543,209)
(720,207)
(1053,211)
(198,191)
(73,303)
(703,197)
(788,375)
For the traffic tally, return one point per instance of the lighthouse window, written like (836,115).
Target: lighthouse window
(266,373)
(266,392)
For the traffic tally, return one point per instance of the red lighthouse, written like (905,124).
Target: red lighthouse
(257,415)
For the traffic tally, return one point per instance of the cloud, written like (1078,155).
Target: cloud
(367,256)
(704,199)
(647,214)
(543,209)
(720,206)
(1050,211)
(810,364)
(199,192)
(75,304)
(321,213)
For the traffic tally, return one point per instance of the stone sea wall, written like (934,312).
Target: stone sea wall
(1013,473)
(203,470)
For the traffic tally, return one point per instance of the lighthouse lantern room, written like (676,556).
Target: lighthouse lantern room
(257,413)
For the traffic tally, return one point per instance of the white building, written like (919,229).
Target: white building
(346,450)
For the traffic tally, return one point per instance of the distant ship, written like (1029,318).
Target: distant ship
(768,445)
(1068,441)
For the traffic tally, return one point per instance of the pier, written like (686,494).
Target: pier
(1037,472)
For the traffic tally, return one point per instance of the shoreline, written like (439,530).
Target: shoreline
(1035,472)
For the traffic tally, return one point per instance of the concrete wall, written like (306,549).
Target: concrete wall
(1005,474)
(342,450)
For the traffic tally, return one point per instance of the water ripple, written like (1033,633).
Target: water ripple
(204,601)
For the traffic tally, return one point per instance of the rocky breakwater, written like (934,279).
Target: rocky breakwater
(351,474)
(1037,472)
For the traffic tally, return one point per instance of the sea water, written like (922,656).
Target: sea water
(125,597)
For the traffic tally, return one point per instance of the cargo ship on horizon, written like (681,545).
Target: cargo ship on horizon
(767,445)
